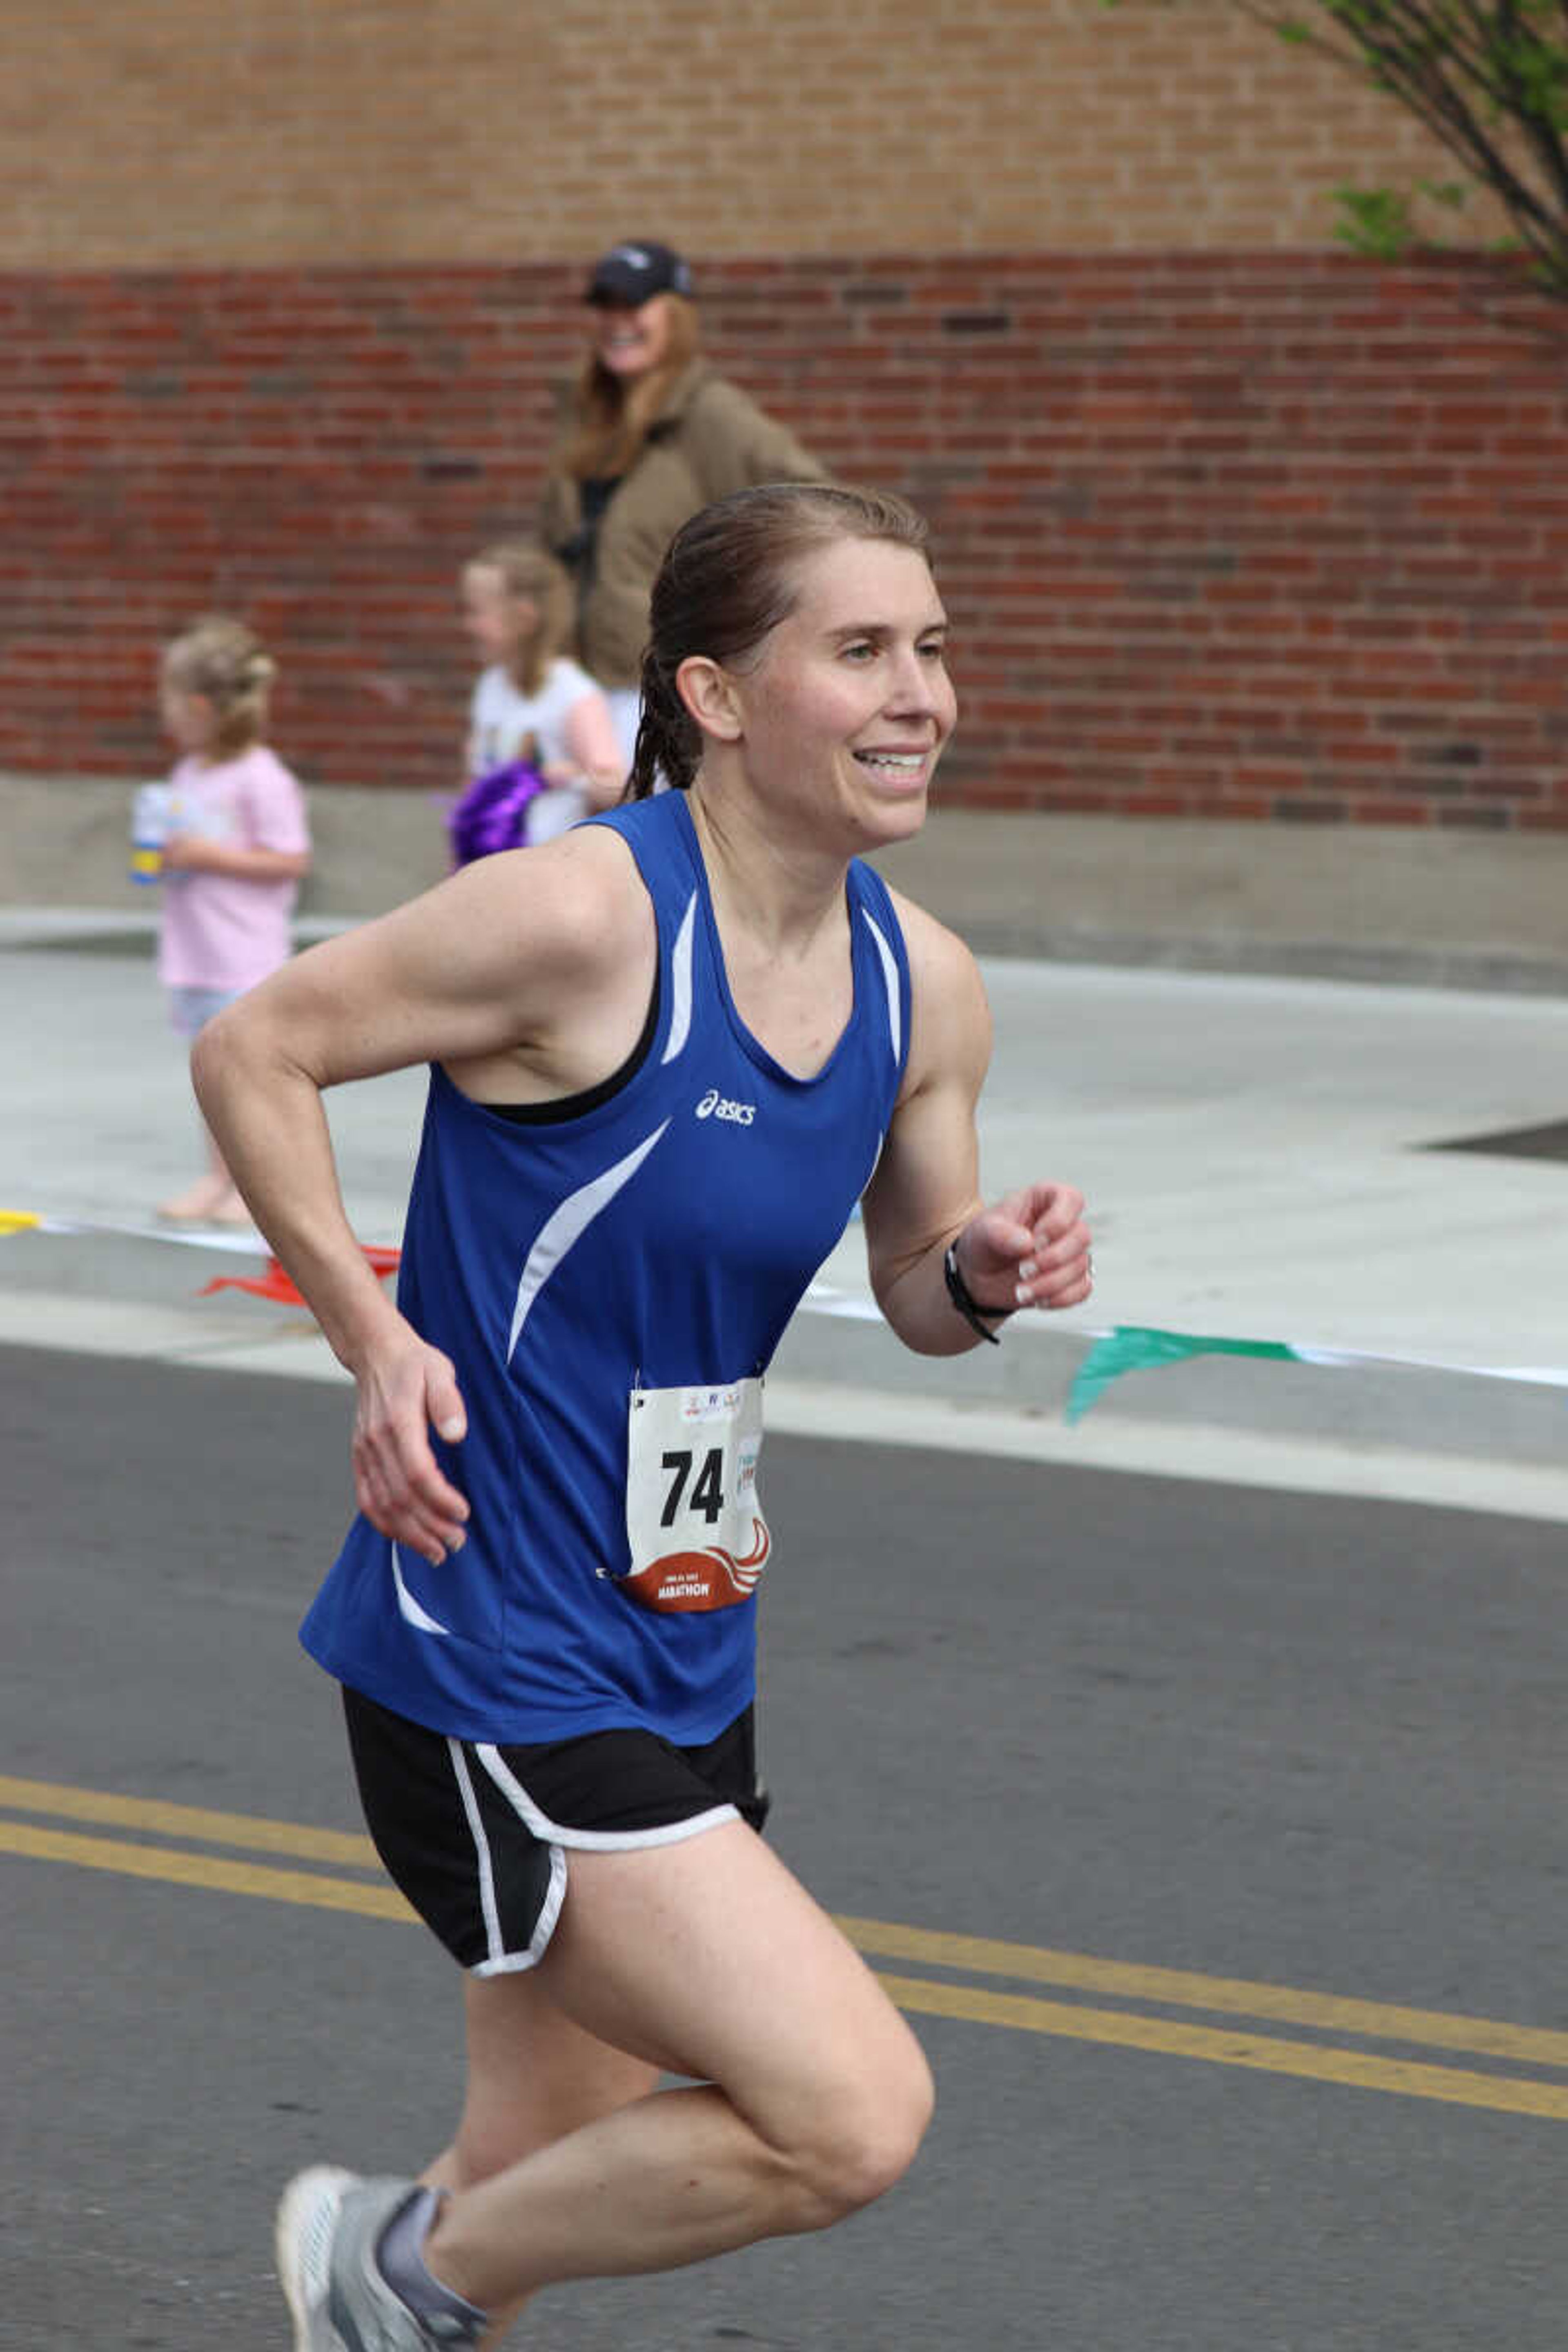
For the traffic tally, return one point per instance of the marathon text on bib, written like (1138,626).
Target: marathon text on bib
(694,1522)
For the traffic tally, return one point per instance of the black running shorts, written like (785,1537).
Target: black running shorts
(477,1837)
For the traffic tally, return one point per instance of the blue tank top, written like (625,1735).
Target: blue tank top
(661,1238)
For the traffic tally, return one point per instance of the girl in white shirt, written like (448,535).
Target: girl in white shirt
(531,702)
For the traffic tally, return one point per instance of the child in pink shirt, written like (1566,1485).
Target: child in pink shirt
(237,846)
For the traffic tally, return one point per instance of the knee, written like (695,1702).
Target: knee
(866,2137)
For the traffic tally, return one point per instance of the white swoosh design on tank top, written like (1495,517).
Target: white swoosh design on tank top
(681,982)
(407,1607)
(567,1225)
(890,976)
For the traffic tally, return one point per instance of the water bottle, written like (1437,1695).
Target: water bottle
(150,825)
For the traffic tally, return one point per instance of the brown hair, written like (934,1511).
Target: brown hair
(728,577)
(611,417)
(528,569)
(226,663)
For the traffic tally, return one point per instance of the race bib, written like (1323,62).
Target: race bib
(694,1523)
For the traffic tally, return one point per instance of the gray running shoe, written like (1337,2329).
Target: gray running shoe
(330,2223)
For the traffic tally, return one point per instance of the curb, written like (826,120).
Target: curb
(137,1295)
(109,930)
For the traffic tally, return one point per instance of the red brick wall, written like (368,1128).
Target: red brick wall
(1277,535)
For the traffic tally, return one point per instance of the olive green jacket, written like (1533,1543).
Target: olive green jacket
(706,440)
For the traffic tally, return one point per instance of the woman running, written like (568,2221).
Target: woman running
(669,1054)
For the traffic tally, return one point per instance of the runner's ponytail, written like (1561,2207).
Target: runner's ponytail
(669,744)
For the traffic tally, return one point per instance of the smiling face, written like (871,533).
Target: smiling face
(841,720)
(630,342)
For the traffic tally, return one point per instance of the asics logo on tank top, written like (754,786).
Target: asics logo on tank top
(714,1105)
(614,1285)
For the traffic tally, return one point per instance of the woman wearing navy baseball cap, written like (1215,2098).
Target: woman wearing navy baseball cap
(652,433)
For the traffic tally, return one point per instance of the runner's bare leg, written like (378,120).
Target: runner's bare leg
(533,2077)
(707,1960)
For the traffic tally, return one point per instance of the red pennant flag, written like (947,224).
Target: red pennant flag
(276,1284)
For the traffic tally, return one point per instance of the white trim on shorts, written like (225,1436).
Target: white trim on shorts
(555,1839)
(553,1833)
(500,1961)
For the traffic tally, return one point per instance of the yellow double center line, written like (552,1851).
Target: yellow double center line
(1254,2039)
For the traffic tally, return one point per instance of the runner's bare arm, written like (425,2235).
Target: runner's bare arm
(1030,1249)
(516,975)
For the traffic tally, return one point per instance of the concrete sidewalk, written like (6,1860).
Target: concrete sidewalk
(1426,905)
(1260,1154)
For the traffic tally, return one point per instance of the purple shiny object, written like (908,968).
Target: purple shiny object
(493,812)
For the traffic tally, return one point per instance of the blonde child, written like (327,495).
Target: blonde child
(237,846)
(532,703)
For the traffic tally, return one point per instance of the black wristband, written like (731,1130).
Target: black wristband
(958,1291)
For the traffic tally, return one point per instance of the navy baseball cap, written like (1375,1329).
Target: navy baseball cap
(635,272)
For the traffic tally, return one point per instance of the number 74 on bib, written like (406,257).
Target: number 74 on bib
(695,1527)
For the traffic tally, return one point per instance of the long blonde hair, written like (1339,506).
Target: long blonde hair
(228,665)
(611,418)
(527,568)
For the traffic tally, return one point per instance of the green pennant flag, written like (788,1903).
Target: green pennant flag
(1134,1347)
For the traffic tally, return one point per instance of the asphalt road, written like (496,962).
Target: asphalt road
(1215,1837)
